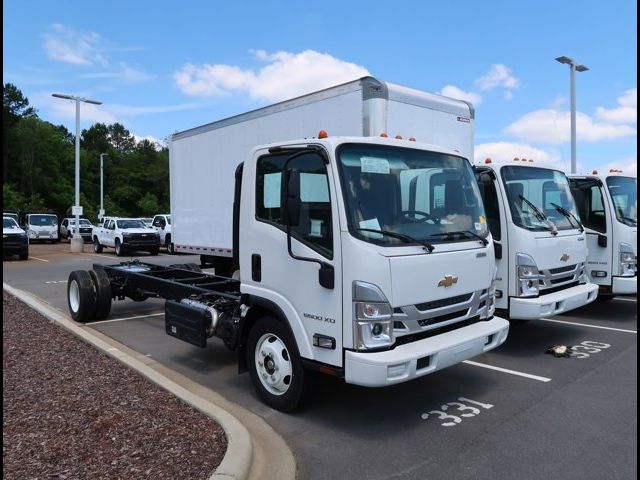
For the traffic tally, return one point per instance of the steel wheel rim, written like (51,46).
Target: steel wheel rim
(273,364)
(74,296)
(95,245)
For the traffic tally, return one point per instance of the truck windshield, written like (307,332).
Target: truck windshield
(427,196)
(539,198)
(624,193)
(42,220)
(125,224)
(83,221)
(9,223)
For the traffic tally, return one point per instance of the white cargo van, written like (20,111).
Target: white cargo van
(608,206)
(354,254)
(540,245)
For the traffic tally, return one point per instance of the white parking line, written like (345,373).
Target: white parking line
(506,370)
(41,259)
(590,326)
(98,255)
(123,319)
(635,300)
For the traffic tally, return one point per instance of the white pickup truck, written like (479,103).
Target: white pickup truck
(125,235)
(162,224)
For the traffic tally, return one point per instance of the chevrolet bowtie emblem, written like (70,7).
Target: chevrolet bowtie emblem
(564,257)
(447,281)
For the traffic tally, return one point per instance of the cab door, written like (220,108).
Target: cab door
(292,281)
(496,219)
(591,203)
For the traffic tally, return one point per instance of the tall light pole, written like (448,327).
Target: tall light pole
(573,68)
(76,241)
(101,212)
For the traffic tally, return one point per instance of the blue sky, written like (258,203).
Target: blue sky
(161,67)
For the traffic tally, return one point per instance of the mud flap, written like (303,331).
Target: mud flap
(186,323)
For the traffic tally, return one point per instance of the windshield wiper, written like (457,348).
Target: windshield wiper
(400,236)
(628,219)
(539,214)
(568,214)
(484,241)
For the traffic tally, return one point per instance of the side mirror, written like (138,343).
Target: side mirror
(602,241)
(290,198)
(497,248)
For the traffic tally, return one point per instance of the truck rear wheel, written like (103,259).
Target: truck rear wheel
(154,251)
(102,285)
(96,245)
(274,364)
(81,296)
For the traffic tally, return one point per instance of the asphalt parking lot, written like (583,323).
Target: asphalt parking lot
(515,412)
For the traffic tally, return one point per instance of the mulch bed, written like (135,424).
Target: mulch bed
(71,411)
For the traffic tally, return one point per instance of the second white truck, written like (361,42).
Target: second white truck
(125,235)
(608,207)
(540,244)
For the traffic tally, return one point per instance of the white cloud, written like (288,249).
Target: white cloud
(157,143)
(552,126)
(627,165)
(285,75)
(499,75)
(455,92)
(626,112)
(66,45)
(123,73)
(505,152)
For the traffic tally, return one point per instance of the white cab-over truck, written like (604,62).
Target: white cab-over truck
(608,206)
(40,226)
(540,245)
(359,256)
(125,235)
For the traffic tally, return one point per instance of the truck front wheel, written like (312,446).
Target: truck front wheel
(96,245)
(119,248)
(274,364)
(24,254)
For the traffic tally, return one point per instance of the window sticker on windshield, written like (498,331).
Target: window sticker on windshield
(482,219)
(372,224)
(374,165)
(316,228)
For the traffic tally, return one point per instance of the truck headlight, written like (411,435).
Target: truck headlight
(372,322)
(628,260)
(528,275)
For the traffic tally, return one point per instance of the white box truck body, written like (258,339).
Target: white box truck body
(203,160)
(540,245)
(608,206)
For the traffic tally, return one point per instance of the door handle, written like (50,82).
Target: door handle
(256,267)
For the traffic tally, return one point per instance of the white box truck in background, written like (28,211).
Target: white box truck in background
(608,206)
(540,245)
(356,255)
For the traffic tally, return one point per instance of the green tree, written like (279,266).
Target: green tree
(14,107)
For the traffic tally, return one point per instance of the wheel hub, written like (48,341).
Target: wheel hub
(273,364)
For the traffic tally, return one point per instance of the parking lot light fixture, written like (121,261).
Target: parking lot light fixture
(573,68)
(76,240)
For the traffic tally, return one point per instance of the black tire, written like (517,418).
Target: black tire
(119,248)
(604,298)
(24,254)
(102,286)
(194,267)
(96,245)
(169,244)
(266,332)
(81,297)
(154,251)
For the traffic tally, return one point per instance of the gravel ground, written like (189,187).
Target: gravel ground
(70,412)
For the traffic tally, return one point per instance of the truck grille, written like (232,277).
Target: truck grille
(444,302)
(554,279)
(568,268)
(414,321)
(13,241)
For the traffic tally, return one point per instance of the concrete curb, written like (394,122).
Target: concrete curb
(237,460)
